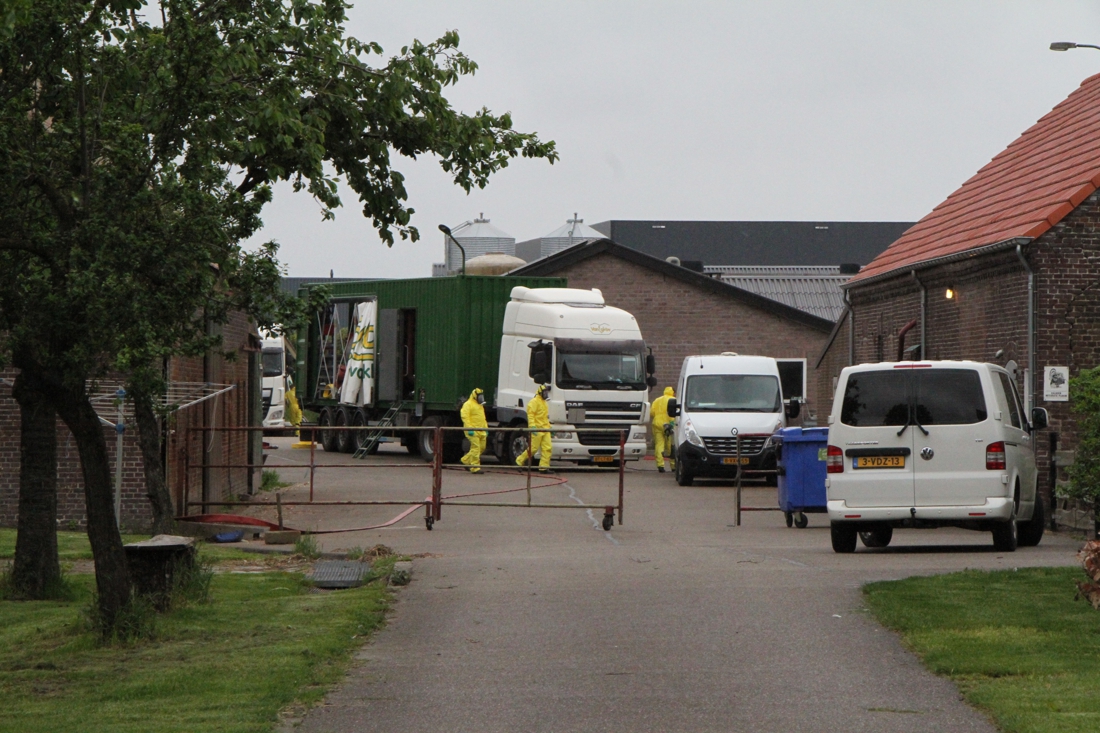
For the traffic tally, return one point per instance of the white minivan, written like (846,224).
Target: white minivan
(931,444)
(727,399)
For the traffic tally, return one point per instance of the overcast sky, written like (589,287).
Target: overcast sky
(841,111)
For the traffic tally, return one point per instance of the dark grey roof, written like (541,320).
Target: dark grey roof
(578,253)
(812,289)
(790,243)
(291,284)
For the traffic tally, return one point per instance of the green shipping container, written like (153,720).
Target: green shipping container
(435,340)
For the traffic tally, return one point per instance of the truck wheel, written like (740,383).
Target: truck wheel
(362,437)
(411,444)
(344,439)
(425,439)
(879,537)
(328,437)
(684,477)
(515,443)
(843,536)
(1029,533)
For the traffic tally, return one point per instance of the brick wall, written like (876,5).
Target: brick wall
(989,314)
(678,320)
(231,408)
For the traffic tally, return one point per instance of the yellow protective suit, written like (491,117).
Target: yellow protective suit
(538,416)
(659,413)
(473,416)
(293,411)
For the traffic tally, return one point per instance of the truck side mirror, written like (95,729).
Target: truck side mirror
(540,362)
(673,407)
(651,381)
(794,409)
(1039,418)
(650,365)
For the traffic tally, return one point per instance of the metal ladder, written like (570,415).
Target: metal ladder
(385,422)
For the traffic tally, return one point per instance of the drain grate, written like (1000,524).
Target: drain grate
(339,574)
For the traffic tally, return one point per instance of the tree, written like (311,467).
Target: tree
(1084,474)
(136,155)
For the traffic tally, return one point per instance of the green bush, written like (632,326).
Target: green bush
(1084,474)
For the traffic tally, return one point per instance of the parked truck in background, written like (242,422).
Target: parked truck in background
(409,352)
(278,365)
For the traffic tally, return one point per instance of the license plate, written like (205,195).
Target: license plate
(733,461)
(603,459)
(878,462)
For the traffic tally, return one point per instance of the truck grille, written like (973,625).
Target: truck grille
(750,445)
(587,438)
(605,414)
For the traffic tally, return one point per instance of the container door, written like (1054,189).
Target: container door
(388,347)
(950,460)
(876,439)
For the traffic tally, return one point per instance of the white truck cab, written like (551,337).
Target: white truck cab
(596,362)
(276,379)
(724,397)
(931,444)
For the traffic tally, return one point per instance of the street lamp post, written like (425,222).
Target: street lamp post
(447,231)
(1067,45)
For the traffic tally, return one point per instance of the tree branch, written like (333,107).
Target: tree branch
(60,206)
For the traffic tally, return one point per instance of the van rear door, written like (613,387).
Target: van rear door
(878,462)
(949,465)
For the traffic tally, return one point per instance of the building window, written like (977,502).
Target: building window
(792,376)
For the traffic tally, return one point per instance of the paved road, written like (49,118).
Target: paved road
(537,620)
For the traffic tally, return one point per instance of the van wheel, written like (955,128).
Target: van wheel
(879,537)
(843,536)
(684,477)
(1029,533)
(1005,538)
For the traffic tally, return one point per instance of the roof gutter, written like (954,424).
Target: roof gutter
(1012,243)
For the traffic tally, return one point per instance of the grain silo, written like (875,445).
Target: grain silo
(477,237)
(573,232)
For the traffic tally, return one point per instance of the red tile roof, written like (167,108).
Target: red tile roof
(1024,191)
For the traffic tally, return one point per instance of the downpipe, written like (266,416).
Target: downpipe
(923,313)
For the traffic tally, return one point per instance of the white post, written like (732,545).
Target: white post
(120,428)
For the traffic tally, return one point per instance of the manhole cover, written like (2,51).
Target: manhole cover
(339,574)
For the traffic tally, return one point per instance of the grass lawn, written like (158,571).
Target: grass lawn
(264,642)
(1016,643)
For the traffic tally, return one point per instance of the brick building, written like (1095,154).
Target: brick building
(961,275)
(681,312)
(208,392)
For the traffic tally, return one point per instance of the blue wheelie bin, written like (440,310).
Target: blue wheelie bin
(801,464)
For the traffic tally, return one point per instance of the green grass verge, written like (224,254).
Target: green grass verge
(70,545)
(1016,643)
(264,642)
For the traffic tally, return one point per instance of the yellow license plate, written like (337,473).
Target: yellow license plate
(603,459)
(733,461)
(879,462)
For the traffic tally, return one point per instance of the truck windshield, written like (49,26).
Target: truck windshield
(600,365)
(273,362)
(733,393)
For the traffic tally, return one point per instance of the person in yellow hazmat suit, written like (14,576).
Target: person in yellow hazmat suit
(661,441)
(473,416)
(538,416)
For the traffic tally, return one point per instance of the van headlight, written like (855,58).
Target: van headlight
(691,435)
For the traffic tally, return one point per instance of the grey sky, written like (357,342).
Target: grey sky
(834,110)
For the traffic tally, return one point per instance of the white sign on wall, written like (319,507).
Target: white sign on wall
(1055,384)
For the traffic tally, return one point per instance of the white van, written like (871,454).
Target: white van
(931,444)
(724,397)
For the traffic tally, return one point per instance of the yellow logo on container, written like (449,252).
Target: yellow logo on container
(600,328)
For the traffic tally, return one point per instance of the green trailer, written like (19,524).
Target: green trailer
(435,339)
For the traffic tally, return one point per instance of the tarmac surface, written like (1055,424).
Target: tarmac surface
(538,620)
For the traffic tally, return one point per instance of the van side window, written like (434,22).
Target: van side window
(873,399)
(949,397)
(1010,399)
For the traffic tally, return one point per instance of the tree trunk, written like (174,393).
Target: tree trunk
(149,438)
(36,572)
(111,573)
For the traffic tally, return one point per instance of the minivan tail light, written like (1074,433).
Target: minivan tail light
(834,461)
(995,456)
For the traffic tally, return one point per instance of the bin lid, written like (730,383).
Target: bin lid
(804,435)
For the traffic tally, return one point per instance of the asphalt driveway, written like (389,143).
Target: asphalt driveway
(538,620)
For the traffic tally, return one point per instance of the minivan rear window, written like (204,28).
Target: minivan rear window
(876,398)
(941,397)
(949,397)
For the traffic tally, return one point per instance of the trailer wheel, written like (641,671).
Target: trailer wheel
(425,439)
(328,437)
(362,437)
(344,441)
